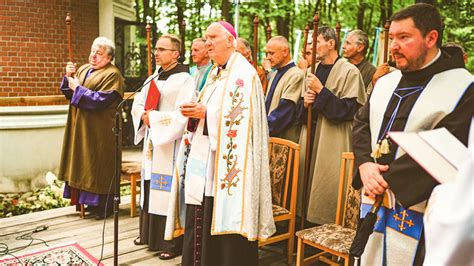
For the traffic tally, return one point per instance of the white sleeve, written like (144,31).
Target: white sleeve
(168,126)
(138,108)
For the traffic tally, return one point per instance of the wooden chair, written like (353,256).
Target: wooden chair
(334,239)
(284,159)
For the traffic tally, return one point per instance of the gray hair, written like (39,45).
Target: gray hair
(282,40)
(106,44)
(360,38)
(328,34)
(246,44)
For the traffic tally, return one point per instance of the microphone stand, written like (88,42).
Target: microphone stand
(118,157)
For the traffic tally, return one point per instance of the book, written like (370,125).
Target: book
(439,152)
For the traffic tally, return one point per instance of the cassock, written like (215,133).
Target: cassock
(88,156)
(200,74)
(333,111)
(282,97)
(160,146)
(367,71)
(439,95)
(224,173)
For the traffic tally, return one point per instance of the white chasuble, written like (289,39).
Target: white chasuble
(397,231)
(162,138)
(230,163)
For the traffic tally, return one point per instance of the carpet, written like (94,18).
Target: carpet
(65,254)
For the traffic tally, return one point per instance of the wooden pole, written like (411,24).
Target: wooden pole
(268,31)
(255,40)
(305,40)
(69,42)
(385,43)
(307,164)
(148,45)
(338,34)
(183,39)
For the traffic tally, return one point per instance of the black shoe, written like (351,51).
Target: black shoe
(103,215)
(138,242)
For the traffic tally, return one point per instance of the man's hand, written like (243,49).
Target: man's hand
(303,64)
(381,71)
(73,83)
(70,69)
(371,175)
(266,65)
(314,83)
(146,118)
(193,110)
(309,98)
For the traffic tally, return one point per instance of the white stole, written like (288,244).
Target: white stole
(162,138)
(438,99)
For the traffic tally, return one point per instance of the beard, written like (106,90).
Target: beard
(413,64)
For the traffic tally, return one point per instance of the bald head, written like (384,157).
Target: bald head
(278,51)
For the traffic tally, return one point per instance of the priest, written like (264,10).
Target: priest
(431,89)
(202,61)
(158,122)
(224,168)
(354,50)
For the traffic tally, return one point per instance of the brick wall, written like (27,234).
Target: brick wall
(33,43)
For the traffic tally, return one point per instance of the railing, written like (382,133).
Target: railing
(41,100)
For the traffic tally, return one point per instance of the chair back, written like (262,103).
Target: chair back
(348,200)
(284,159)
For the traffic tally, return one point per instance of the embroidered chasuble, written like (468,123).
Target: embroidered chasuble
(331,138)
(162,138)
(87,159)
(230,163)
(439,95)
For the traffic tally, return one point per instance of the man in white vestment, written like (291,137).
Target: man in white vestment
(158,121)
(430,89)
(225,166)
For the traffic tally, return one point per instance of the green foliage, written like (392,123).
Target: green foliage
(38,200)
(293,15)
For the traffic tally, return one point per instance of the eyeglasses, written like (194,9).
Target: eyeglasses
(161,49)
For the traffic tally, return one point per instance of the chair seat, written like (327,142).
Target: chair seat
(278,210)
(331,236)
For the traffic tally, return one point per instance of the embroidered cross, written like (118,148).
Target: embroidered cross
(166,121)
(162,182)
(403,221)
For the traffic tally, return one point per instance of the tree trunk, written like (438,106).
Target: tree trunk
(360,15)
(181,6)
(146,10)
(225,7)
(383,13)
(389,8)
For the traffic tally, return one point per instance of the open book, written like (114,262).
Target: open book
(439,152)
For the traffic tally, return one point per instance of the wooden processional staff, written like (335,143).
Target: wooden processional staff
(268,31)
(255,40)
(338,34)
(148,45)
(385,41)
(307,164)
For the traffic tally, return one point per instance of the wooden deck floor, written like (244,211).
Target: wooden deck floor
(65,226)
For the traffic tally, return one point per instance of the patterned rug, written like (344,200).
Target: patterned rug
(66,254)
